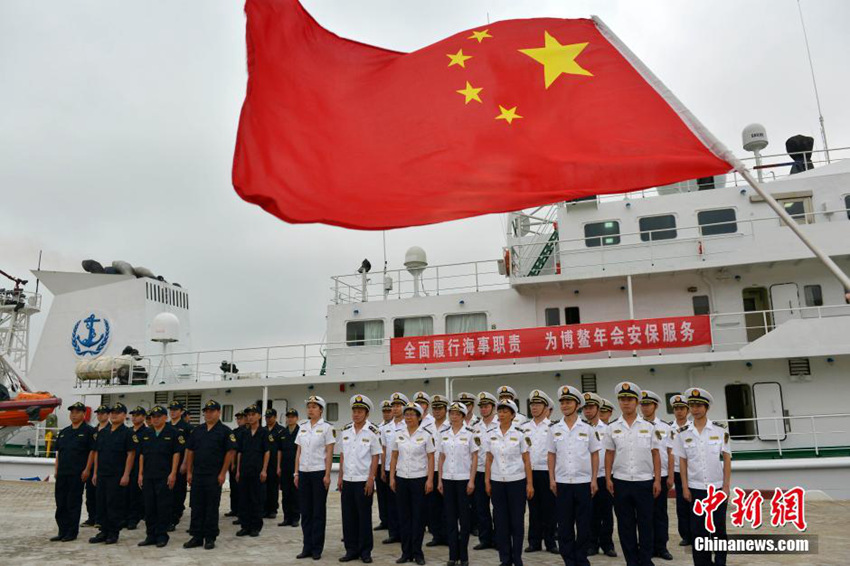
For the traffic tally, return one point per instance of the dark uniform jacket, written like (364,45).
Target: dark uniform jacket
(158,450)
(210,447)
(112,447)
(73,446)
(253,448)
(287,446)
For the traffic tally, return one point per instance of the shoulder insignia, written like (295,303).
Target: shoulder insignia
(348,426)
(468,429)
(373,428)
(721,425)
(667,423)
(683,428)
(477,440)
(555,422)
(528,441)
(232,437)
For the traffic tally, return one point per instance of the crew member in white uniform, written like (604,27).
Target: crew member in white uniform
(424,400)
(487,410)
(359,453)
(705,458)
(458,463)
(508,480)
(573,461)
(602,517)
(606,411)
(381,486)
(397,402)
(470,420)
(436,513)
(509,393)
(649,403)
(541,508)
(412,479)
(313,459)
(683,510)
(633,474)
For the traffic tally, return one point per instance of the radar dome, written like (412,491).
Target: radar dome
(165,328)
(754,137)
(415,258)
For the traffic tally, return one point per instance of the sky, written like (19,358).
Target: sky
(118,121)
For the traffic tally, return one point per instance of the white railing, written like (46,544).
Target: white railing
(644,246)
(786,436)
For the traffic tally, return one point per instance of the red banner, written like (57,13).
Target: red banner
(646,334)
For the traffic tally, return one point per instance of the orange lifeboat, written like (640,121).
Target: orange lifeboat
(27,408)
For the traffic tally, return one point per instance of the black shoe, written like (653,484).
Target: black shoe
(317,557)
(99,537)
(254,534)
(111,540)
(380,527)
(664,554)
(209,544)
(304,555)
(474,532)
(57,538)
(684,542)
(611,553)
(87,523)
(482,546)
(391,540)
(69,538)
(189,530)
(171,528)
(161,544)
(242,532)
(270,516)
(347,558)
(434,542)
(236,522)
(403,560)
(463,563)
(451,563)
(529,549)
(420,561)
(147,542)
(366,560)
(193,542)
(553,550)
(230,514)
(293,523)
(592,551)
(283,523)
(132,526)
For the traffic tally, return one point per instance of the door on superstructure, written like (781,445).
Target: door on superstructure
(785,298)
(769,410)
(739,411)
(757,316)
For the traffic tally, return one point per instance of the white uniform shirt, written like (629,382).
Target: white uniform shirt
(428,420)
(539,434)
(632,447)
(602,431)
(357,449)
(388,432)
(437,430)
(572,448)
(507,450)
(703,452)
(520,419)
(676,426)
(413,450)
(667,442)
(482,430)
(458,449)
(312,440)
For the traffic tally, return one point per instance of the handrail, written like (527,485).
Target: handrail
(814,432)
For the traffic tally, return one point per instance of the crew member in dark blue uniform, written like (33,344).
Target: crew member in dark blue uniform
(272,484)
(159,460)
(252,461)
(175,413)
(286,458)
(135,501)
(231,473)
(102,413)
(115,451)
(209,451)
(74,458)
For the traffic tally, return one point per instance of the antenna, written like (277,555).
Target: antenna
(814,82)
(39,269)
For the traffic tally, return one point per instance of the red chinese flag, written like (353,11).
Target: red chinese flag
(507,116)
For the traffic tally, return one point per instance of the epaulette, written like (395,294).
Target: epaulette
(721,425)
(469,429)
(373,428)
(668,423)
(302,423)
(553,423)
(683,428)
(426,429)
(445,427)
(348,426)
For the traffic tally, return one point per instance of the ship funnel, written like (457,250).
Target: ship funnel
(416,261)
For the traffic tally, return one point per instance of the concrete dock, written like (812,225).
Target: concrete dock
(26,524)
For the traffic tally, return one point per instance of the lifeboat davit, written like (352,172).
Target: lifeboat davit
(27,408)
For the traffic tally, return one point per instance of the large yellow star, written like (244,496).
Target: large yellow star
(507,114)
(458,58)
(470,93)
(557,59)
(480,35)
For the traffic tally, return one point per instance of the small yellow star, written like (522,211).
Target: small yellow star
(480,35)
(470,93)
(557,59)
(507,114)
(458,58)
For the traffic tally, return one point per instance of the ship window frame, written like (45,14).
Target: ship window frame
(557,316)
(655,234)
(331,412)
(718,228)
(806,216)
(572,314)
(600,240)
(453,314)
(699,308)
(355,342)
(815,298)
(403,318)
(847,205)
(227,413)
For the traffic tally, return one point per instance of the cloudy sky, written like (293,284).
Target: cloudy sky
(118,120)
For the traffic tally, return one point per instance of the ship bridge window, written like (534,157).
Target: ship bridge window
(800,209)
(413,326)
(364,332)
(814,295)
(471,322)
(602,233)
(332,412)
(553,316)
(572,315)
(701,305)
(227,413)
(653,228)
(719,221)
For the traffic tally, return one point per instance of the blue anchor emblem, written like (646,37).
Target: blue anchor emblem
(91,344)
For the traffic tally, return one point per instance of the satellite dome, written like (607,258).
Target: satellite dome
(165,328)
(754,137)
(415,258)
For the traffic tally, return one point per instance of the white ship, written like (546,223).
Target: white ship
(776,362)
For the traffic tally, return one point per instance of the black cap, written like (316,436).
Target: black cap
(271,412)
(157,411)
(119,408)
(251,409)
(239,414)
(291,413)
(187,413)
(212,405)
(103,409)
(175,405)
(77,407)
(139,410)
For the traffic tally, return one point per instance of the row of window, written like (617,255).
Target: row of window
(371,332)
(166,295)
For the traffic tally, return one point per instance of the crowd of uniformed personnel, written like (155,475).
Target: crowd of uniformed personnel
(434,464)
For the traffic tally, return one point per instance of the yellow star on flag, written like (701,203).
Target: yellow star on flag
(557,59)
(508,115)
(458,58)
(480,35)
(470,93)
